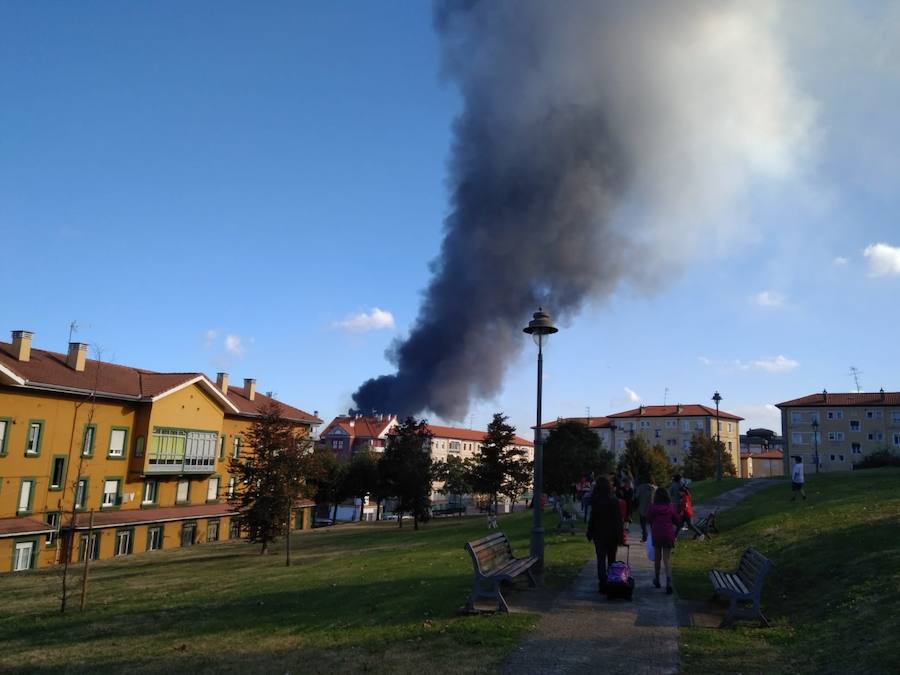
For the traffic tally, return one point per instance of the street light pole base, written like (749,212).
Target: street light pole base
(536,550)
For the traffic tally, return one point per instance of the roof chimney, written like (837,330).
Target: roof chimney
(77,356)
(250,388)
(825,395)
(881,391)
(679,408)
(642,409)
(21,344)
(222,382)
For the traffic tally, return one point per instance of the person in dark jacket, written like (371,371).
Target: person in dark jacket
(605,527)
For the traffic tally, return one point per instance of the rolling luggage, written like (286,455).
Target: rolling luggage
(619,582)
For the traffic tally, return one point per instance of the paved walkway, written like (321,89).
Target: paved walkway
(583,631)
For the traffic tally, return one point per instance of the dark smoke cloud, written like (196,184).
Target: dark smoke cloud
(570,120)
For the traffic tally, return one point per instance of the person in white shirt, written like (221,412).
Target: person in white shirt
(797,479)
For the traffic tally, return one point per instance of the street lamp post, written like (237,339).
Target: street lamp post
(540,328)
(717,398)
(815,426)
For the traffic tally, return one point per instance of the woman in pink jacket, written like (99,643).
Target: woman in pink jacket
(664,521)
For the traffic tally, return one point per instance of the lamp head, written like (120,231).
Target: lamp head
(541,327)
(717,398)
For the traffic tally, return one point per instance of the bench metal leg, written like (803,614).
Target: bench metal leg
(531,580)
(730,616)
(501,601)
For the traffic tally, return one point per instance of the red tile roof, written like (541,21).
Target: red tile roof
(468,435)
(772,454)
(592,422)
(18,527)
(47,369)
(687,410)
(847,399)
(360,427)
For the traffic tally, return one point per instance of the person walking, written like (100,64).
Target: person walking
(644,497)
(797,479)
(663,521)
(675,488)
(686,511)
(605,528)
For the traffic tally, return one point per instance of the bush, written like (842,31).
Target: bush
(877,460)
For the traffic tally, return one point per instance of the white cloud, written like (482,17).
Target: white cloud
(632,395)
(777,364)
(884,260)
(769,299)
(705,361)
(234,345)
(209,338)
(840,261)
(376,319)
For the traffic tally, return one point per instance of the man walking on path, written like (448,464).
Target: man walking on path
(797,479)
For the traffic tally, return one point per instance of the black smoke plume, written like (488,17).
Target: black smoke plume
(565,106)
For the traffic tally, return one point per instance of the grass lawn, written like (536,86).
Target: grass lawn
(367,598)
(702,490)
(833,595)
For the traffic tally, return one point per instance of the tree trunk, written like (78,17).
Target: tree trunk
(265,548)
(400,520)
(334,514)
(87,560)
(287,541)
(415,522)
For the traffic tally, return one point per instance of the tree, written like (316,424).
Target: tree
(702,459)
(455,474)
(407,471)
(500,468)
(271,476)
(361,478)
(328,479)
(645,462)
(571,451)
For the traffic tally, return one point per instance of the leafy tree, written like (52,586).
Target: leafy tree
(499,468)
(701,460)
(455,474)
(362,478)
(271,476)
(571,451)
(406,470)
(329,479)
(645,462)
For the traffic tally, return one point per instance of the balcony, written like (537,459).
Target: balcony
(177,451)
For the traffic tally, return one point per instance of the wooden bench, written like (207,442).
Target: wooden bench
(494,563)
(743,585)
(707,525)
(567,522)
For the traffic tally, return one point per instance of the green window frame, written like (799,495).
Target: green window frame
(94,548)
(139,446)
(5,424)
(35,543)
(187,499)
(32,484)
(155,492)
(88,440)
(31,441)
(222,448)
(85,497)
(52,519)
(213,530)
(236,448)
(117,500)
(56,486)
(159,530)
(216,477)
(124,449)
(129,549)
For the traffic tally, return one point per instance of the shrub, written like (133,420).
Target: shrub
(877,460)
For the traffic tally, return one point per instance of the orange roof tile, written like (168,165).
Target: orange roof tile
(592,422)
(18,527)
(467,434)
(687,410)
(846,399)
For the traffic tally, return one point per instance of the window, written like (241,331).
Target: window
(856,448)
(835,435)
(52,521)
(212,530)
(151,492)
(671,441)
(835,414)
(26,489)
(123,542)
(110,493)
(796,417)
(57,473)
(81,493)
(854,425)
(87,440)
(154,538)
(797,437)
(182,492)
(896,439)
(222,448)
(729,446)
(139,446)
(85,550)
(117,442)
(454,446)
(4,426)
(685,425)
(181,447)
(685,444)
(234,529)
(35,431)
(832,458)
(231,483)
(23,556)
(189,534)
(814,417)
(645,424)
(873,414)
(671,424)
(840,458)
(658,433)
(895,418)
(236,447)
(212,489)
(876,436)
(698,424)
(674,459)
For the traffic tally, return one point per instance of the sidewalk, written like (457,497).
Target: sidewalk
(585,632)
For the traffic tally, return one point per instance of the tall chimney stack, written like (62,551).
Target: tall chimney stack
(222,382)
(77,356)
(21,344)
(250,388)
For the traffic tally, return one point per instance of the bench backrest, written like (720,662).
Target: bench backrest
(753,569)
(490,552)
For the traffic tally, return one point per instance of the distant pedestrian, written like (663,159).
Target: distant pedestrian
(797,479)
(663,521)
(644,498)
(675,488)
(686,511)
(626,492)
(605,528)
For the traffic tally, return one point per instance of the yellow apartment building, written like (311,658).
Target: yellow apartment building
(839,429)
(141,455)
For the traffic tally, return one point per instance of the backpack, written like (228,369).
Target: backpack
(619,582)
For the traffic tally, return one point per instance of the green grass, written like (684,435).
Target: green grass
(833,595)
(369,598)
(703,490)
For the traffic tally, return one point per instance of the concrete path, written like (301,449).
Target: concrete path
(585,632)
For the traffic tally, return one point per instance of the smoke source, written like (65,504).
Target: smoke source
(599,143)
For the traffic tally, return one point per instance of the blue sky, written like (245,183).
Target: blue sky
(218,187)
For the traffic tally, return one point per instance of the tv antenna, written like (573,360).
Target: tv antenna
(666,396)
(587,410)
(73,328)
(855,372)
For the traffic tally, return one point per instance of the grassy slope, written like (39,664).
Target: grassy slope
(371,598)
(832,597)
(702,490)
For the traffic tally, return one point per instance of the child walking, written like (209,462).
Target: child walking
(663,521)
(686,511)
(797,479)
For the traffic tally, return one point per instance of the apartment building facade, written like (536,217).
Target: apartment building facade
(142,456)
(836,430)
(601,426)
